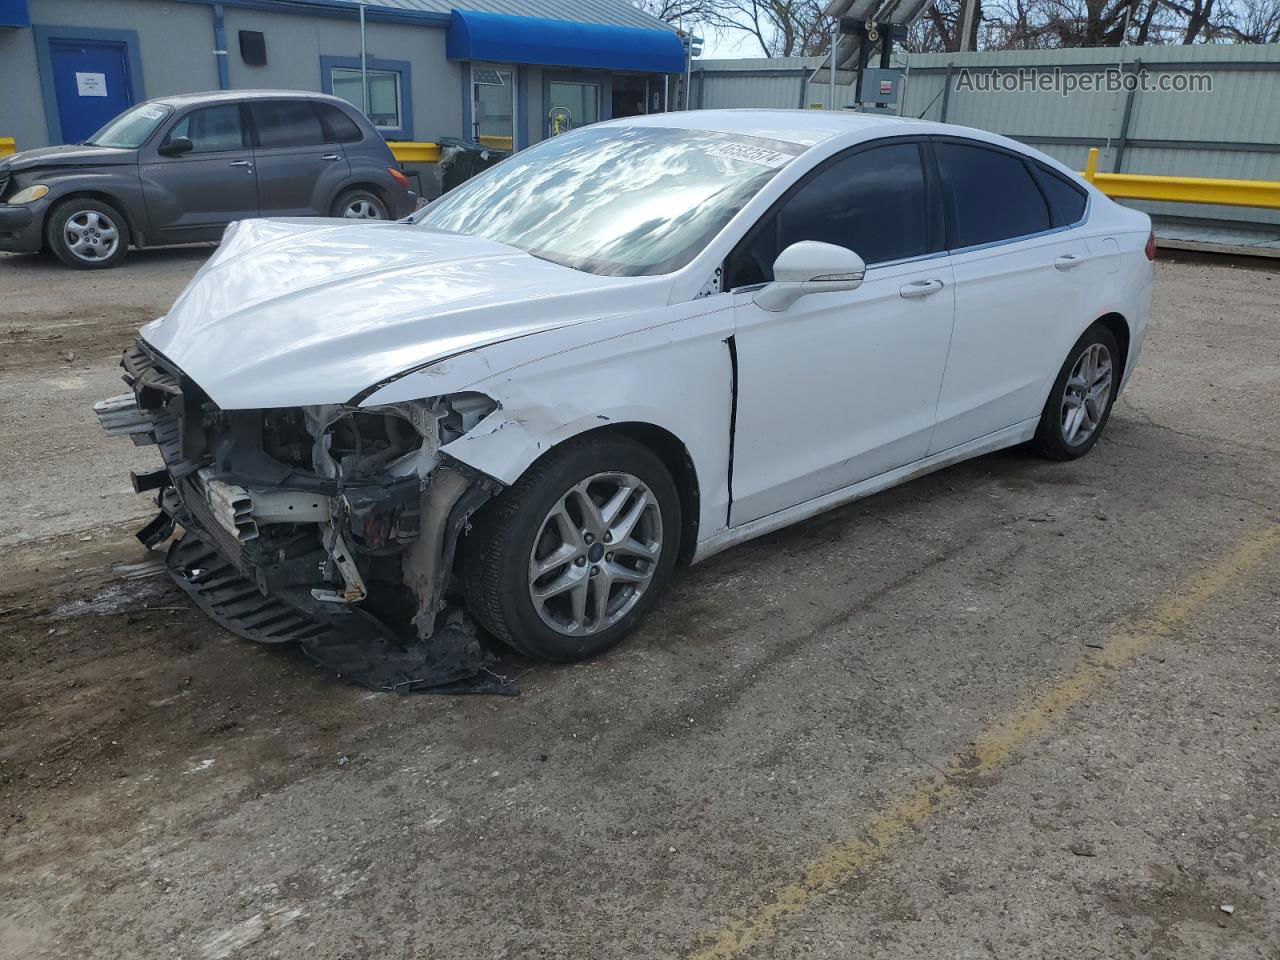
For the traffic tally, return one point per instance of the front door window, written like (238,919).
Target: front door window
(572,105)
(493,106)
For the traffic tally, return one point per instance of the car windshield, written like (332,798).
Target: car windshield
(132,128)
(614,200)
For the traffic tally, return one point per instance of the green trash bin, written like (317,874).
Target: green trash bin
(460,160)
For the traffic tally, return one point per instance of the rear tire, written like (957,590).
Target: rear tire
(602,569)
(87,234)
(360,204)
(1083,394)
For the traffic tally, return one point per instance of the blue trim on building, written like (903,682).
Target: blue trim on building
(402,67)
(221,54)
(468,129)
(44,63)
(14,13)
(502,38)
(522,107)
(346,9)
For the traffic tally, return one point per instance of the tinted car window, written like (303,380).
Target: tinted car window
(286,123)
(210,129)
(872,202)
(1066,200)
(990,195)
(338,127)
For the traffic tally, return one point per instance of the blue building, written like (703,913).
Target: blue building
(506,72)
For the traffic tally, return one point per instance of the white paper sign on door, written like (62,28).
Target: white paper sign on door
(91,84)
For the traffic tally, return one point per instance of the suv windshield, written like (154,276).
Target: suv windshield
(620,201)
(132,128)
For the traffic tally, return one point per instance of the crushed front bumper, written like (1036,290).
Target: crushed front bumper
(356,573)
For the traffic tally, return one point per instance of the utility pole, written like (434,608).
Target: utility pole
(364,67)
(967,30)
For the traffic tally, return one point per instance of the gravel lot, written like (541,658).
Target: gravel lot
(1014,709)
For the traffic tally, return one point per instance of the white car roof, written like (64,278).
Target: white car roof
(802,127)
(808,128)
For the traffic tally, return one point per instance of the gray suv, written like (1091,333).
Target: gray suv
(179,169)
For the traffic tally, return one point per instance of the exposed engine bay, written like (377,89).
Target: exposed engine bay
(333,526)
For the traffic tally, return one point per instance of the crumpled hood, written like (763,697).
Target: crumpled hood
(296,312)
(70,155)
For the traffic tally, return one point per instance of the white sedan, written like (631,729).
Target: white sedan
(626,347)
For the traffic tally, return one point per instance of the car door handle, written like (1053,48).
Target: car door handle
(920,288)
(242,163)
(332,156)
(1068,260)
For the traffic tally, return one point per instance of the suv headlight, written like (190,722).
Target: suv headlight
(30,194)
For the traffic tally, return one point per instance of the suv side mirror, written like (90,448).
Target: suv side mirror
(176,147)
(809,267)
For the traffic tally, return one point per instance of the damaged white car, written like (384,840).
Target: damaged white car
(629,346)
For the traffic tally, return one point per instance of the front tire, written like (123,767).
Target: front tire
(1080,402)
(568,561)
(87,234)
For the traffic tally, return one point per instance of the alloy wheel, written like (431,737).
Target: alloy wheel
(1084,399)
(91,236)
(595,554)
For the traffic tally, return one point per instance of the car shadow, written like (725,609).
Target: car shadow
(32,264)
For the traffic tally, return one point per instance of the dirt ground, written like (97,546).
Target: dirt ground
(1014,709)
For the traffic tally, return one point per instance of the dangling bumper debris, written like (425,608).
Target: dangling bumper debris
(332,527)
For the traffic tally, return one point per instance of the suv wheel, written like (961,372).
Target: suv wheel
(360,204)
(87,234)
(567,562)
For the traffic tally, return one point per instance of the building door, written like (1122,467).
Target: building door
(571,105)
(91,83)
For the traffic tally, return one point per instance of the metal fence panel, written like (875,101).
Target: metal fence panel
(1232,131)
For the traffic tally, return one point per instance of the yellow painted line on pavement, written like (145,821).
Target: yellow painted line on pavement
(845,860)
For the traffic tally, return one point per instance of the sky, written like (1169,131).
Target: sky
(727,45)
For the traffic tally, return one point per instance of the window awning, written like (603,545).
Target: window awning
(502,38)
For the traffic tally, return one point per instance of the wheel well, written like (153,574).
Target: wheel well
(1118,327)
(675,457)
(136,237)
(373,188)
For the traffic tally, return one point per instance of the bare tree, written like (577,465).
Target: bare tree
(782,28)
(688,12)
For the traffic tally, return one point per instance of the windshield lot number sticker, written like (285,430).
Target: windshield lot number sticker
(91,84)
(742,151)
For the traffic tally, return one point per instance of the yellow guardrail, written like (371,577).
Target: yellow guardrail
(7,146)
(1137,186)
(408,152)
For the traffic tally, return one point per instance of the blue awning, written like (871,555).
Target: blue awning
(14,13)
(502,38)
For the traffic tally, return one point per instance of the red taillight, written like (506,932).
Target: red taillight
(399,177)
(1151,245)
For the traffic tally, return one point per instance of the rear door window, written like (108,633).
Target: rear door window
(990,195)
(286,123)
(210,129)
(872,202)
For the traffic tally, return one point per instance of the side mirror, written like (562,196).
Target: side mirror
(809,267)
(176,147)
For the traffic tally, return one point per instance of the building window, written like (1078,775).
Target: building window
(390,106)
(493,105)
(384,94)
